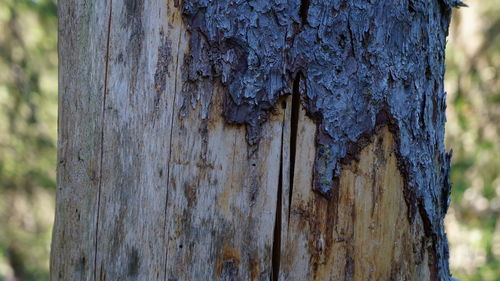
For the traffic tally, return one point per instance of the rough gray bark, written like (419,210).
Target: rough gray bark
(154,184)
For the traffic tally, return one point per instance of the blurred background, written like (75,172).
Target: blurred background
(28,119)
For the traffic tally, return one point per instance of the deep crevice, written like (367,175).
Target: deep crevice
(294,122)
(304,10)
(276,254)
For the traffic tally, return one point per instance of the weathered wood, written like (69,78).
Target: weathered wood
(222,199)
(83,29)
(137,123)
(155,184)
(364,232)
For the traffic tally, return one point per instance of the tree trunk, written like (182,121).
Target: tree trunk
(251,140)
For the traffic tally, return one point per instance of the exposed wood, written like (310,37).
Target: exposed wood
(364,232)
(82,64)
(160,199)
(137,121)
(222,199)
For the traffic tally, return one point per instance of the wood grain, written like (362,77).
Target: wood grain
(82,64)
(136,144)
(364,232)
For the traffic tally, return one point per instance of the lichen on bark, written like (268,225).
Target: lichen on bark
(363,64)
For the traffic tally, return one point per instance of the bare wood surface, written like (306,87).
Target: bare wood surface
(222,199)
(364,232)
(136,143)
(82,64)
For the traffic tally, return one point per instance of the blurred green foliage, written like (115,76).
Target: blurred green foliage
(28,119)
(473,85)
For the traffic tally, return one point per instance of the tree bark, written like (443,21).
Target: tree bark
(251,140)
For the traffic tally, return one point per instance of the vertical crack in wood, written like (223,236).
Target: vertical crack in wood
(103,122)
(294,120)
(165,231)
(277,230)
(276,254)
